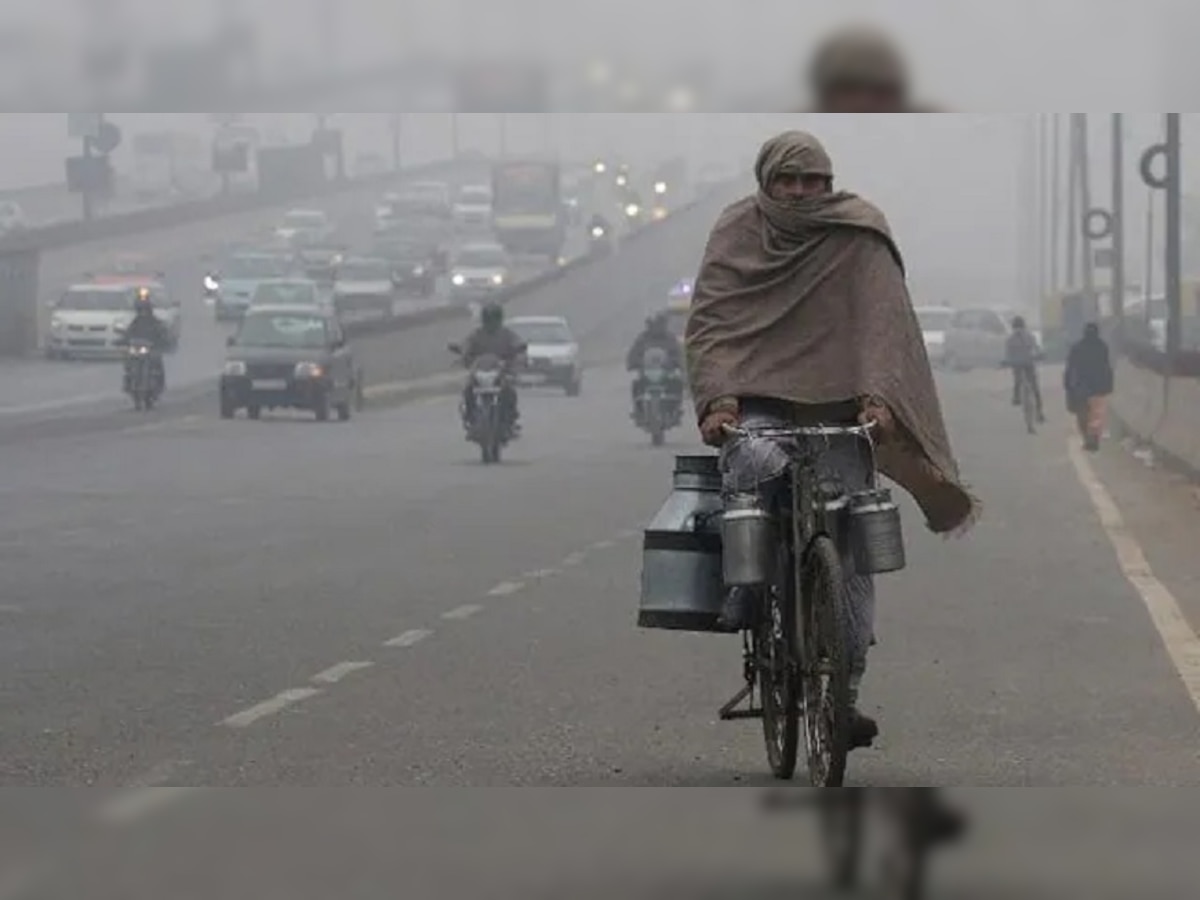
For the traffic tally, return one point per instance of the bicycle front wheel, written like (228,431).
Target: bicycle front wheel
(777,673)
(824,656)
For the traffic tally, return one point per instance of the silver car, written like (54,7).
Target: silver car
(975,339)
(479,271)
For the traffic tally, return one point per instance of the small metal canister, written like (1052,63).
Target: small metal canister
(748,542)
(876,534)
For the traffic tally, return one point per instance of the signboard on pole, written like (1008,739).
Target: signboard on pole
(82,126)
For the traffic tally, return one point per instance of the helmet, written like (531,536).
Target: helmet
(657,322)
(492,315)
(1018,324)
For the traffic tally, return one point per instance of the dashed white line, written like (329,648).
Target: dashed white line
(539,574)
(334,674)
(275,705)
(604,545)
(506,589)
(573,560)
(629,534)
(136,804)
(463,612)
(409,639)
(1177,634)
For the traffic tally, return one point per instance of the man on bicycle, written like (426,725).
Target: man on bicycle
(1023,353)
(801,316)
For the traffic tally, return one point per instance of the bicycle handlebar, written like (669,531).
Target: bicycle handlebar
(801,431)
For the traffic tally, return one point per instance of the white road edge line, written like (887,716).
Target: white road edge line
(409,639)
(506,589)
(334,674)
(539,574)
(136,804)
(276,704)
(604,545)
(463,612)
(573,560)
(1177,634)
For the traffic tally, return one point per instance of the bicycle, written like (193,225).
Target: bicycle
(796,657)
(1027,396)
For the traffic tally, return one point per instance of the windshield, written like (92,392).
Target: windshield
(282,330)
(934,319)
(403,250)
(283,293)
(367,270)
(527,188)
(256,267)
(304,220)
(96,301)
(542,332)
(482,258)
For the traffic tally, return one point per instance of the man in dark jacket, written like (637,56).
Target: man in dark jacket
(657,336)
(493,338)
(1088,381)
(147,327)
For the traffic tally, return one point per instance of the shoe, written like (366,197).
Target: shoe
(863,730)
(737,613)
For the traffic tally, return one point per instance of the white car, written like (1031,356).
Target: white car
(935,322)
(309,225)
(479,271)
(88,320)
(473,207)
(551,355)
(12,217)
(364,284)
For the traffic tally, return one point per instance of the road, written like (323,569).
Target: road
(49,390)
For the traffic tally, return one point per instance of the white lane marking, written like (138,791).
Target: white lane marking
(506,589)
(604,545)
(409,639)
(276,704)
(334,674)
(573,560)
(539,574)
(463,612)
(49,405)
(628,534)
(134,805)
(1180,640)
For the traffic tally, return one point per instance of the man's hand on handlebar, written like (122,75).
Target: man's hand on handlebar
(717,426)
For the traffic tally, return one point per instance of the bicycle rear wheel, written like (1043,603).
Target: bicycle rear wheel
(776,640)
(824,657)
(1028,406)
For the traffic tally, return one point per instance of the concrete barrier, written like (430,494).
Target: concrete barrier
(1160,410)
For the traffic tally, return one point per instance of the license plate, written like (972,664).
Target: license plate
(269,384)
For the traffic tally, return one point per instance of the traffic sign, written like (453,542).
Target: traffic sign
(84,125)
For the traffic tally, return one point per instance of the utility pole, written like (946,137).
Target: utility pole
(503,123)
(1041,232)
(1119,280)
(397,127)
(1074,213)
(1084,174)
(1055,202)
(455,136)
(1174,255)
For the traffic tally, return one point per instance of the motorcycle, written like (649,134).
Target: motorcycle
(141,375)
(487,427)
(600,242)
(658,409)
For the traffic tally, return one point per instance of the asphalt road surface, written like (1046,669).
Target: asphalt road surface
(193,602)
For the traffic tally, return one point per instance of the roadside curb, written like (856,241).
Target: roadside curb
(399,393)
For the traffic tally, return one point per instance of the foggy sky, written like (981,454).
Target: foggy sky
(949,183)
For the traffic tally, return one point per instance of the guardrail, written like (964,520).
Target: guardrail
(72,233)
(1157,402)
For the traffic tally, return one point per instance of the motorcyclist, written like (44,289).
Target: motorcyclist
(657,335)
(493,338)
(147,327)
(598,221)
(1022,353)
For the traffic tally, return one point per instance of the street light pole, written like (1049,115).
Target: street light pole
(1118,223)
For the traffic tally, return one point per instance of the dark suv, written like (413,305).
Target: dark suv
(290,357)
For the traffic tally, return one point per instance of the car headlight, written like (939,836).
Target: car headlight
(235,367)
(310,370)
(459,280)
(57,322)
(497,279)
(418,271)
(633,210)
(597,232)
(211,284)
(622,181)
(660,187)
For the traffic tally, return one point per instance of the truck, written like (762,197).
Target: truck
(528,216)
